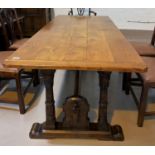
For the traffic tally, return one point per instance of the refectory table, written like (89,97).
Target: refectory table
(77,43)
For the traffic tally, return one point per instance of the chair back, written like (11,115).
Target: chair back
(12,24)
(153,38)
(81,12)
(5,39)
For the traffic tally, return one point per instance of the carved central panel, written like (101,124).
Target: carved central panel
(76,113)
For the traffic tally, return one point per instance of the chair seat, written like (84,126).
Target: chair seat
(4,71)
(144,49)
(18,43)
(149,76)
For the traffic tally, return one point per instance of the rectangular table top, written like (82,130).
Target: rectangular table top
(78,43)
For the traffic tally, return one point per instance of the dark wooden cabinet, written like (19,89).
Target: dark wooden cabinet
(35,19)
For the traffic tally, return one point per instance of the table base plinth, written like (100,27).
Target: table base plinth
(115,132)
(75,123)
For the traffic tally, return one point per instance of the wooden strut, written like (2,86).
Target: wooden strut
(76,122)
(76,88)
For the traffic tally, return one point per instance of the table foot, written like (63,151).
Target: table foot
(115,133)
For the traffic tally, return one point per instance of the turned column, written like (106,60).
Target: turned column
(104,78)
(48,78)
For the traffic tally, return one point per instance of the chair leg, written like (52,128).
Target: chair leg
(20,95)
(123,82)
(36,80)
(142,105)
(128,78)
(126,82)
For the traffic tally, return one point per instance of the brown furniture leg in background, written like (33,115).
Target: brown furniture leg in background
(20,94)
(52,129)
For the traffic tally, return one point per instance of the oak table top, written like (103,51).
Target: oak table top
(78,43)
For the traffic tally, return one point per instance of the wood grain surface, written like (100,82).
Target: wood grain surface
(78,43)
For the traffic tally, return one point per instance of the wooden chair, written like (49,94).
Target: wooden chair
(16,74)
(14,31)
(8,19)
(145,49)
(81,11)
(147,81)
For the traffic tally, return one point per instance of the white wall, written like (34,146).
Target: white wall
(122,16)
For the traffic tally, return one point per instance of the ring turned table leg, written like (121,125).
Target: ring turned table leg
(103,125)
(48,77)
(103,101)
(50,122)
(52,129)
